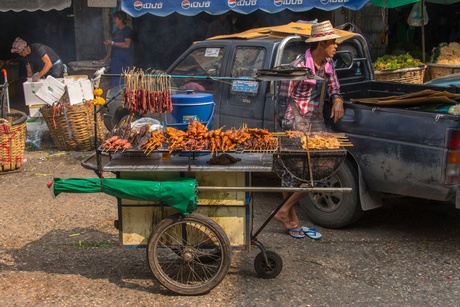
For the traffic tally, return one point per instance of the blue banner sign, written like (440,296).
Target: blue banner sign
(138,8)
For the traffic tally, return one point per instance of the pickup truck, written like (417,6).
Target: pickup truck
(397,150)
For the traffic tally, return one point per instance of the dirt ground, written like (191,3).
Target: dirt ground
(64,252)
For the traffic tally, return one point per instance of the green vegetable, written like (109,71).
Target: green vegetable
(390,62)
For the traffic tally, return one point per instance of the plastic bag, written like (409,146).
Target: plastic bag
(154,124)
(35,131)
(415,16)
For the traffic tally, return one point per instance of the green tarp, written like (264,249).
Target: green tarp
(178,193)
(397,3)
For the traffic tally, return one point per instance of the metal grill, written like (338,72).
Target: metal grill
(294,160)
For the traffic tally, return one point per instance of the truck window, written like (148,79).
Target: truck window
(202,62)
(247,60)
(292,51)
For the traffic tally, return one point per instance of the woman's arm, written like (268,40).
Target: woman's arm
(125,44)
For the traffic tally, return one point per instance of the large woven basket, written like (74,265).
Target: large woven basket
(12,141)
(441,70)
(412,75)
(72,127)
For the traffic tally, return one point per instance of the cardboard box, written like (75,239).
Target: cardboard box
(79,91)
(30,88)
(34,110)
(51,91)
(72,78)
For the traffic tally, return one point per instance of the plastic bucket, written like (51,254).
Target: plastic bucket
(191,106)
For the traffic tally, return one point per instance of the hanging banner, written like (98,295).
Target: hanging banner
(137,8)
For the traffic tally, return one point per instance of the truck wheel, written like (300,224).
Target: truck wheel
(335,210)
(189,255)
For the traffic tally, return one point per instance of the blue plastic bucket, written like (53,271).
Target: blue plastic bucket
(191,106)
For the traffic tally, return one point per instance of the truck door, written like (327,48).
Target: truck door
(200,69)
(244,100)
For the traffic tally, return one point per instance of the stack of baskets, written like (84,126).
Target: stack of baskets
(412,75)
(72,127)
(12,141)
(441,70)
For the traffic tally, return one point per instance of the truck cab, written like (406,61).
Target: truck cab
(247,102)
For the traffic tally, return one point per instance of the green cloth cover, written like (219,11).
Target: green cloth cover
(178,193)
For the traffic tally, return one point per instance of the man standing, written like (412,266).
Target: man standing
(302,111)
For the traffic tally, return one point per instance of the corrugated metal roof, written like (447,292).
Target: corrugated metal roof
(33,5)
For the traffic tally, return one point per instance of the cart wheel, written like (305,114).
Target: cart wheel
(189,255)
(272,268)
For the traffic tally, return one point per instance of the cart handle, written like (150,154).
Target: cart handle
(275,189)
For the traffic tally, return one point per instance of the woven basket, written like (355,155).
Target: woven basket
(72,127)
(12,141)
(441,70)
(412,75)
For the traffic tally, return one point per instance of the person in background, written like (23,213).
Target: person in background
(120,47)
(301,113)
(40,60)
(219,26)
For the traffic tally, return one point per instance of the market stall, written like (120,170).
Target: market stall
(185,192)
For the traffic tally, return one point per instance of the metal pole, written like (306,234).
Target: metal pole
(275,189)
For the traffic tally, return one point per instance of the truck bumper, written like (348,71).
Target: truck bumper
(457,198)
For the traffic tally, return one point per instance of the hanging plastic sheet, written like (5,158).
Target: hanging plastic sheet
(33,5)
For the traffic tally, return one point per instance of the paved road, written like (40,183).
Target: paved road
(63,252)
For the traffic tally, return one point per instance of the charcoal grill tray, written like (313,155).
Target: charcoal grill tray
(293,159)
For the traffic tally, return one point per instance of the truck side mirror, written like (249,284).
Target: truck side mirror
(343,60)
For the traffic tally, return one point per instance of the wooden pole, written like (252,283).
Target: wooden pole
(422,13)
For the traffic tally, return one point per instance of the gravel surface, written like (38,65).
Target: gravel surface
(64,252)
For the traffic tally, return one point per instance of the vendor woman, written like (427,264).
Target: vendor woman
(40,60)
(120,47)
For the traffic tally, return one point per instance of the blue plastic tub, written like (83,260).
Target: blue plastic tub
(191,106)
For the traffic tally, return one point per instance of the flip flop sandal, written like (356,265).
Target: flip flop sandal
(298,234)
(312,233)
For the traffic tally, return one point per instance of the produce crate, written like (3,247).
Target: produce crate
(12,141)
(412,75)
(72,126)
(441,70)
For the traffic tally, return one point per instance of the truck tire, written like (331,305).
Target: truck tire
(335,210)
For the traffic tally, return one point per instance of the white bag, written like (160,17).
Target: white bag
(415,16)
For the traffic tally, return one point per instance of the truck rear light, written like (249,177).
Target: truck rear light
(453,157)
(452,173)
(453,139)
(453,167)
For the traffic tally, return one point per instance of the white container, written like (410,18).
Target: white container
(30,89)
(79,91)
(34,110)
(51,91)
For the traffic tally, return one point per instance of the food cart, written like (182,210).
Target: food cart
(189,246)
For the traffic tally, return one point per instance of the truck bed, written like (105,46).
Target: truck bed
(400,150)
(372,89)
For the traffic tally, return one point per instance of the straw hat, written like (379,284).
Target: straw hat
(322,32)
